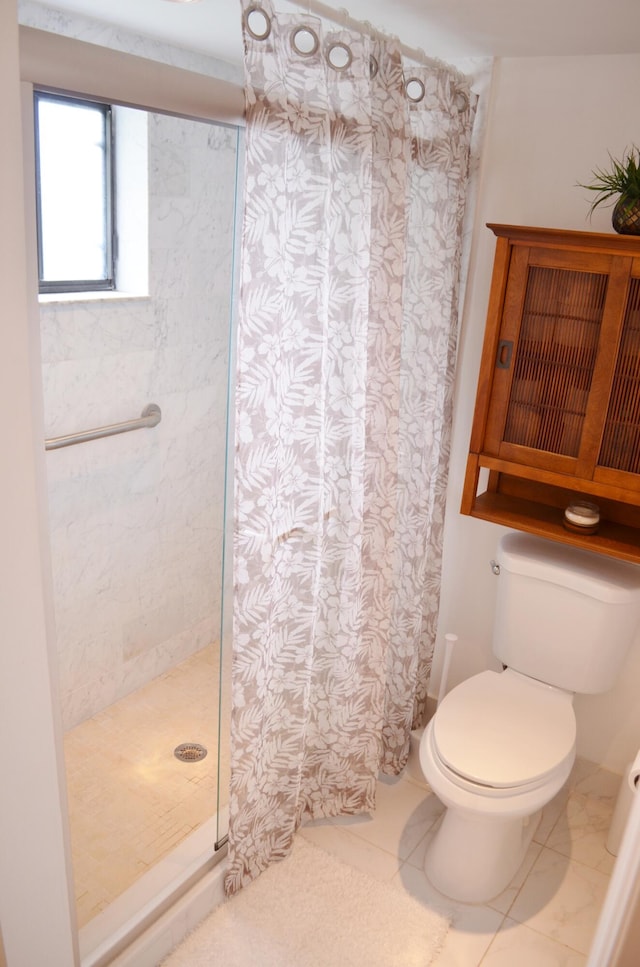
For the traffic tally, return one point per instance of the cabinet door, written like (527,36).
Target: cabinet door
(555,312)
(618,461)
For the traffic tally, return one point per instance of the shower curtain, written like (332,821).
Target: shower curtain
(355,184)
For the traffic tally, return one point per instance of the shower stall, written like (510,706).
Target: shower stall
(139,526)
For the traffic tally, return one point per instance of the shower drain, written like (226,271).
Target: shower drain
(190,752)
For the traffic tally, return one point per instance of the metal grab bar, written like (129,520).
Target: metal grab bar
(150,416)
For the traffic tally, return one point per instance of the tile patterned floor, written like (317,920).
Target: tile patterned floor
(547,915)
(130,800)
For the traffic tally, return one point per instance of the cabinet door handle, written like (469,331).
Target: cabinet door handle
(505,350)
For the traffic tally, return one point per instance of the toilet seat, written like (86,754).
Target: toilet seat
(503,731)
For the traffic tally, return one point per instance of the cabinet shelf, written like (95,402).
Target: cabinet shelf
(613,539)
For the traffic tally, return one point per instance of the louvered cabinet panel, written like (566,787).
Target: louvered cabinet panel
(557,347)
(558,405)
(620,448)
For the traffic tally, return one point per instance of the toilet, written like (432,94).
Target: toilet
(502,744)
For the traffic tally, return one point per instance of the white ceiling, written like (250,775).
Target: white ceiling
(443,28)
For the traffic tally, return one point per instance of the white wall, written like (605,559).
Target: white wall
(35,906)
(551,122)
(46,16)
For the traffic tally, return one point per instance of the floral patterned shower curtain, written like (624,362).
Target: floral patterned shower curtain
(354,196)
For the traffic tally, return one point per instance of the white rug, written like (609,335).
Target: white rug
(311,910)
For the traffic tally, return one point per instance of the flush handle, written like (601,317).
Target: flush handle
(505,351)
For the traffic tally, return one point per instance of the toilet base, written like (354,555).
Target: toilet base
(473,859)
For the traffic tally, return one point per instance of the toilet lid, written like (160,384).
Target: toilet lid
(504,729)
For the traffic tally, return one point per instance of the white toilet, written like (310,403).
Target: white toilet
(502,744)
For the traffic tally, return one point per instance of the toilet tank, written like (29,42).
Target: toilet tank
(563,615)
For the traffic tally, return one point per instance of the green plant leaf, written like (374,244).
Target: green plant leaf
(623,179)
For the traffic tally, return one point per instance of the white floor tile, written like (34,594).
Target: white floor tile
(417,856)
(404,813)
(560,899)
(591,780)
(516,943)
(472,927)
(581,831)
(351,849)
(504,901)
(586,779)
(551,814)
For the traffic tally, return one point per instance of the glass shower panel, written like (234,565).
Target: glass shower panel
(226,609)
(225,637)
(137,527)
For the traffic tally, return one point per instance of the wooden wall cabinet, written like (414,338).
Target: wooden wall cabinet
(558,405)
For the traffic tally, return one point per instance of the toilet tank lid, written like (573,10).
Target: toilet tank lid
(595,575)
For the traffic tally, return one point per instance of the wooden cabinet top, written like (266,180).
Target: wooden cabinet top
(560,238)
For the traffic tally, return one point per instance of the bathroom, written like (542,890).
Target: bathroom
(566,100)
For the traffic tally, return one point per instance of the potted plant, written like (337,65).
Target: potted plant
(621,181)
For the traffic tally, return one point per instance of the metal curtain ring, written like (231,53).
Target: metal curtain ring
(303,49)
(374,66)
(414,89)
(262,17)
(339,56)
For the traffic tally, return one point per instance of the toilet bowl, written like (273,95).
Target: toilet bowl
(498,750)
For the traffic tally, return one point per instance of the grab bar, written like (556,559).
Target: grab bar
(150,416)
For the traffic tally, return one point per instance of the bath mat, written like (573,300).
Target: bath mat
(311,910)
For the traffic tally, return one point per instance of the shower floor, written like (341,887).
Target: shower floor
(131,801)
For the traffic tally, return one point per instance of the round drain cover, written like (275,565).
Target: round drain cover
(190,752)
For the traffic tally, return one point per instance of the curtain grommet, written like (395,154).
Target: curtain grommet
(263,16)
(302,49)
(414,89)
(341,53)
(374,66)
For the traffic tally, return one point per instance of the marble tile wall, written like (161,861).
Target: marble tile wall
(136,520)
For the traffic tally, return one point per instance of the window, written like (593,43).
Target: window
(74,191)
